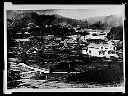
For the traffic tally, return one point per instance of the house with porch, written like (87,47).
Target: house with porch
(100,50)
(95,36)
(69,43)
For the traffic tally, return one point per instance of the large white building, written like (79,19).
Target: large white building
(100,50)
(95,35)
(74,37)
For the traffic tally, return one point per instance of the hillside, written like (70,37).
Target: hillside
(21,19)
(106,22)
(116,33)
(73,22)
(18,20)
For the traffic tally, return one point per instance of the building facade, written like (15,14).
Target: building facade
(100,50)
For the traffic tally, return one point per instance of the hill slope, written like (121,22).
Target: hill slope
(23,18)
(20,19)
(107,22)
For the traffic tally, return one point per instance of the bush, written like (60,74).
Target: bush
(12,77)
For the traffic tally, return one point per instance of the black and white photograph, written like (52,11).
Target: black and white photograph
(64,48)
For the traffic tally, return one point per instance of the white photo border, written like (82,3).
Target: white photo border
(10,6)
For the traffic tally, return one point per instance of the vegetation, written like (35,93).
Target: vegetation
(116,33)
(39,27)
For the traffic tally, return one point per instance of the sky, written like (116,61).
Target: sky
(87,13)
(75,12)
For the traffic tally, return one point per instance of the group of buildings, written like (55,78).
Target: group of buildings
(98,49)
(90,48)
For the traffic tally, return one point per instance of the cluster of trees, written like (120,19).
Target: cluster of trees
(116,33)
(20,21)
(73,22)
(98,25)
(104,22)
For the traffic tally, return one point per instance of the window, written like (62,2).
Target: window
(94,35)
(101,52)
(114,48)
(102,34)
(90,51)
(111,52)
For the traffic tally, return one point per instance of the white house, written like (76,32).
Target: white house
(83,38)
(22,40)
(33,50)
(69,42)
(100,50)
(74,37)
(26,33)
(95,36)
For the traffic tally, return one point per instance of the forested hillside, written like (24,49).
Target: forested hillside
(104,22)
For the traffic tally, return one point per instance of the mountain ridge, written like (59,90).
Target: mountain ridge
(107,22)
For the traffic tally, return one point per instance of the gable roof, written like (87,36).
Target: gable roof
(69,41)
(94,45)
(107,45)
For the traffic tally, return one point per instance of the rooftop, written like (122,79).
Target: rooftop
(94,45)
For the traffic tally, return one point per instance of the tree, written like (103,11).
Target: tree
(116,33)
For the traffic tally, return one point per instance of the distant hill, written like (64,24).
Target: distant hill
(73,22)
(107,22)
(21,19)
(17,21)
